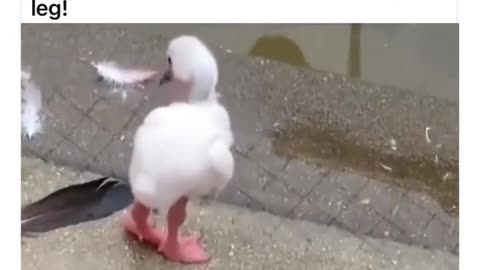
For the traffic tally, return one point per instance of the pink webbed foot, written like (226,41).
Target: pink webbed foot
(146,233)
(187,250)
(139,223)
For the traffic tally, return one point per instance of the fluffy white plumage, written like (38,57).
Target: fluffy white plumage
(193,62)
(184,149)
(31,106)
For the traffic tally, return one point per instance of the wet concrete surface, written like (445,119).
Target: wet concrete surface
(308,143)
(237,238)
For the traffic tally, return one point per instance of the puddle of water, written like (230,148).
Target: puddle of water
(328,148)
(279,48)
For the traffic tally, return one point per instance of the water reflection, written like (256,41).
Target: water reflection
(279,48)
(284,49)
(354,53)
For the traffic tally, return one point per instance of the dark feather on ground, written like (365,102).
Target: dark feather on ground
(76,204)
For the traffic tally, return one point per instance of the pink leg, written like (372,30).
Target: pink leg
(138,222)
(182,249)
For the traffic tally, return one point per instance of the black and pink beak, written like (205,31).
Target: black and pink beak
(167,76)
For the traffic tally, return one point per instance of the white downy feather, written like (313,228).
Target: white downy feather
(26,75)
(31,106)
(113,73)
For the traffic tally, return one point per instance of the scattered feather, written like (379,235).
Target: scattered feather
(427,137)
(31,106)
(365,201)
(111,72)
(393,144)
(124,81)
(26,74)
(229,51)
(394,212)
(385,167)
(124,95)
(75,204)
(446,176)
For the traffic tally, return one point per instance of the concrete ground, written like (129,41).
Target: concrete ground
(309,144)
(237,238)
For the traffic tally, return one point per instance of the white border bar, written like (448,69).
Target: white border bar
(10,139)
(249,11)
(469,135)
